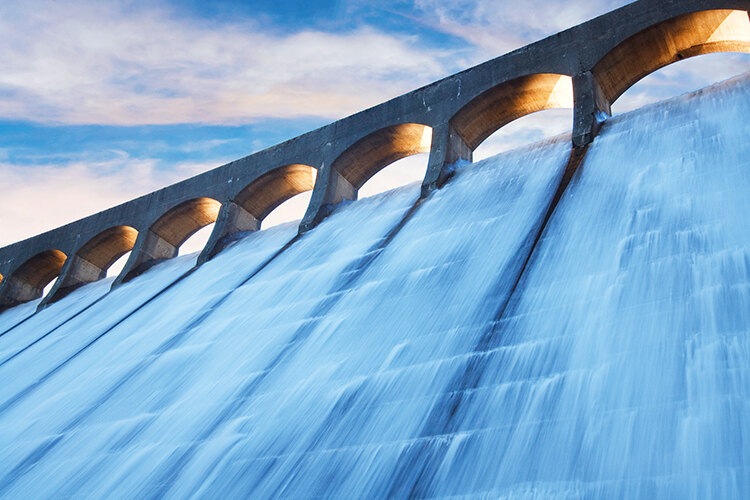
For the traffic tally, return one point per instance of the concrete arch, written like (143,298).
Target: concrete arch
(105,248)
(508,101)
(664,43)
(367,155)
(91,261)
(264,194)
(165,236)
(246,211)
(377,150)
(180,222)
(27,282)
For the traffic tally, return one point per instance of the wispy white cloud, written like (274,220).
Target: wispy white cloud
(42,197)
(498,26)
(105,62)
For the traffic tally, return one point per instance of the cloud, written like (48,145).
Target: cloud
(526,130)
(499,26)
(43,197)
(114,63)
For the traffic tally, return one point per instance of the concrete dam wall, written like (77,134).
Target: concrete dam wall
(585,68)
(502,337)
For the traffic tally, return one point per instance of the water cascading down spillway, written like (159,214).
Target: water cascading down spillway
(454,353)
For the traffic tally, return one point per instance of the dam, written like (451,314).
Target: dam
(565,320)
(431,356)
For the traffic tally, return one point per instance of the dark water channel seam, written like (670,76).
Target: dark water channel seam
(42,450)
(31,388)
(33,314)
(512,268)
(84,309)
(24,320)
(418,469)
(22,350)
(346,279)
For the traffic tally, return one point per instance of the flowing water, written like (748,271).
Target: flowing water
(449,348)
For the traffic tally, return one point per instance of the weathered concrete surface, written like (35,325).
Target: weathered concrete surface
(601,59)
(510,100)
(91,262)
(665,43)
(251,205)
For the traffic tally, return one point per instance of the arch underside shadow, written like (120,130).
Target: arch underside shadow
(92,260)
(183,220)
(255,202)
(105,248)
(273,188)
(379,149)
(682,37)
(28,281)
(508,101)
(165,236)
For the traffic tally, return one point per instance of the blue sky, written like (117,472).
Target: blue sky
(104,101)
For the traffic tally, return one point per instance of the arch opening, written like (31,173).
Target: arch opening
(40,269)
(50,286)
(278,195)
(196,241)
(499,106)
(399,173)
(682,37)
(105,248)
(184,220)
(166,236)
(93,260)
(374,152)
(293,209)
(118,265)
(28,282)
(528,129)
(681,77)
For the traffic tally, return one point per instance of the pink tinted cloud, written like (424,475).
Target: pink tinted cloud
(43,197)
(98,62)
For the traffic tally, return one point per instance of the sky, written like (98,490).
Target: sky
(101,102)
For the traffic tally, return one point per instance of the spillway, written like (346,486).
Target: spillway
(479,343)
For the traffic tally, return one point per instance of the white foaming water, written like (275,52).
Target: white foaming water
(394,352)
(621,368)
